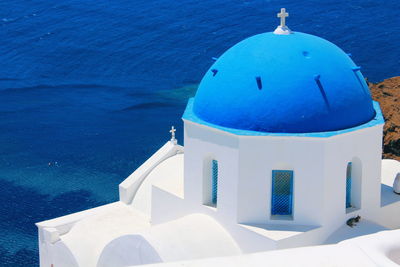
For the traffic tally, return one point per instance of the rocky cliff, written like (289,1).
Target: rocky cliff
(387,93)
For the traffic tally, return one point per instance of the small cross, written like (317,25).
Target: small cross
(172,131)
(283,16)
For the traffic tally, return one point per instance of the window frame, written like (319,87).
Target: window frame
(273,212)
(214,181)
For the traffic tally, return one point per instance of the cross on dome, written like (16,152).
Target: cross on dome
(283,15)
(283,29)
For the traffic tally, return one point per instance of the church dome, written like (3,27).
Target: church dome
(284,83)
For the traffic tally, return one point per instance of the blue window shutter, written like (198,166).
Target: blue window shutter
(214,182)
(348,185)
(291,193)
(282,193)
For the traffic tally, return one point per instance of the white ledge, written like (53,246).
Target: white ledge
(129,187)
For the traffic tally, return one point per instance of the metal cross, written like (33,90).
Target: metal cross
(283,16)
(172,131)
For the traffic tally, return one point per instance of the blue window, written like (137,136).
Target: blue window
(282,193)
(214,182)
(348,185)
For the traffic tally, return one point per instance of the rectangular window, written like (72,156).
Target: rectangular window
(214,182)
(348,185)
(282,193)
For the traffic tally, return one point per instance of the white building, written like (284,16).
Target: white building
(283,145)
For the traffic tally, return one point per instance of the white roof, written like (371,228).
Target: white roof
(88,237)
(120,236)
(380,249)
(191,237)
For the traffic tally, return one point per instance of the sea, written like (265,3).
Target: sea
(90,88)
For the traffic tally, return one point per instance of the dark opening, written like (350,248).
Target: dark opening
(362,83)
(259,83)
(321,89)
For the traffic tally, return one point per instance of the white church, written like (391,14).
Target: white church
(281,166)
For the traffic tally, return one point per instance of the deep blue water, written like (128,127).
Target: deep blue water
(95,85)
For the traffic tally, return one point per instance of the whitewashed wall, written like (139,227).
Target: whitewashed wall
(202,144)
(319,164)
(364,149)
(259,156)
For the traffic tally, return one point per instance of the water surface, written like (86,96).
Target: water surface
(89,89)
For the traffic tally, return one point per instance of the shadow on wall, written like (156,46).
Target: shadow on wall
(394,255)
(356,182)
(128,250)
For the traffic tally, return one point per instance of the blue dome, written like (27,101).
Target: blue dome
(296,83)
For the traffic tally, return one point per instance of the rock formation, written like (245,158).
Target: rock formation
(387,93)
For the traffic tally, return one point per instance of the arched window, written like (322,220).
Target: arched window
(210,182)
(282,192)
(348,185)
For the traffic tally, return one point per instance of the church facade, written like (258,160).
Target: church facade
(282,149)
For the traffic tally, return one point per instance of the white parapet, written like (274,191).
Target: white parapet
(129,187)
(50,234)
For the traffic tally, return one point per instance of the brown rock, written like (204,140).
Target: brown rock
(387,93)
